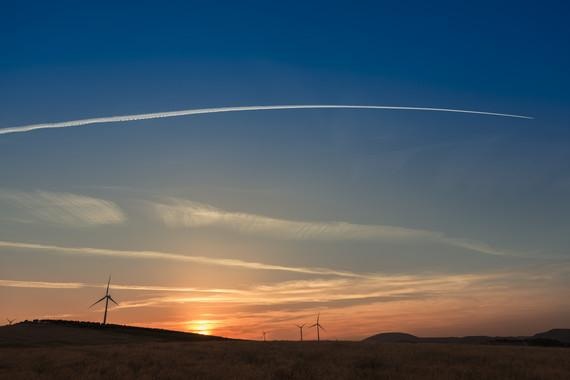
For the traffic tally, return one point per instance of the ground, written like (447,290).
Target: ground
(284,360)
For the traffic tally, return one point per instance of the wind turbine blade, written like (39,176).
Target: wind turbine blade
(108,283)
(112,300)
(98,301)
(322,328)
(313,325)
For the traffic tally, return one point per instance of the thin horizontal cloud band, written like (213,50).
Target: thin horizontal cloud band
(81,285)
(156,255)
(159,115)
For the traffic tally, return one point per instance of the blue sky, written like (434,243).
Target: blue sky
(480,197)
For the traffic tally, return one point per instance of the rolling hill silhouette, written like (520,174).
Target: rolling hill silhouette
(554,338)
(392,337)
(561,335)
(60,332)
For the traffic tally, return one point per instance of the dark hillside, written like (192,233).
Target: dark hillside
(58,332)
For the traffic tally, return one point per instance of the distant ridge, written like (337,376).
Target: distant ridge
(561,335)
(61,332)
(551,338)
(392,337)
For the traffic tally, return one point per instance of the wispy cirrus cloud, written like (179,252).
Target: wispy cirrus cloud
(157,255)
(184,213)
(296,293)
(317,290)
(73,210)
(175,212)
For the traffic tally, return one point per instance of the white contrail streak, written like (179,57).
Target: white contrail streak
(159,115)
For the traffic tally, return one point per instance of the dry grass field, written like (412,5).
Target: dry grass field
(284,360)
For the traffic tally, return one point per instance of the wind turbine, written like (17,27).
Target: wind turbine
(301,330)
(264,335)
(10,321)
(319,327)
(107,297)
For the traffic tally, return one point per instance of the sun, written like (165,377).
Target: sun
(203,327)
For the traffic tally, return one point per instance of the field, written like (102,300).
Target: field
(283,360)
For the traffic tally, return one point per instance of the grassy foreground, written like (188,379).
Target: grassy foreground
(284,360)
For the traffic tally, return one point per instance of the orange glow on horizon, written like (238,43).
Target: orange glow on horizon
(204,327)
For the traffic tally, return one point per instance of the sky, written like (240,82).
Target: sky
(432,223)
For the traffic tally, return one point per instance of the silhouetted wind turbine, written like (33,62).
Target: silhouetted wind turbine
(264,336)
(319,327)
(301,330)
(107,297)
(10,321)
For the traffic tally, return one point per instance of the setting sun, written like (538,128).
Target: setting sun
(200,327)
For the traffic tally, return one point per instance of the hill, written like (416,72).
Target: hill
(59,332)
(397,337)
(392,337)
(561,335)
(552,338)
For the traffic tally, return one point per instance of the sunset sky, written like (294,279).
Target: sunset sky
(432,223)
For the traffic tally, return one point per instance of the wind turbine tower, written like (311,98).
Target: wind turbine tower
(264,333)
(319,327)
(301,330)
(107,297)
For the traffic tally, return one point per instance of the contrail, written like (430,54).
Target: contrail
(159,115)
